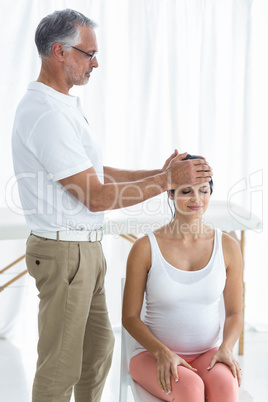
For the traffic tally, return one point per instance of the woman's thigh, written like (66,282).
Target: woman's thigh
(220,384)
(189,388)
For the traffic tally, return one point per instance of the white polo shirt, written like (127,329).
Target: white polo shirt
(52,140)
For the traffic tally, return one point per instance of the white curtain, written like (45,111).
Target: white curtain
(186,74)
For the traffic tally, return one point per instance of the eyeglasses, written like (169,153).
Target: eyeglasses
(91,56)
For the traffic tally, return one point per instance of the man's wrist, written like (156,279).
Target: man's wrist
(163,181)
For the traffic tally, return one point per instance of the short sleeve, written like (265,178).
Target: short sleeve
(57,145)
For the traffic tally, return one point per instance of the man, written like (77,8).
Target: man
(64,190)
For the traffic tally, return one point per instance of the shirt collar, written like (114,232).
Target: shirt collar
(67,99)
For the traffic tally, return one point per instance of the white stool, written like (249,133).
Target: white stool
(127,347)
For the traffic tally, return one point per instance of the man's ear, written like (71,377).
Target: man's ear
(58,51)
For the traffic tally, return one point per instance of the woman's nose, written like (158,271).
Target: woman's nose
(195,197)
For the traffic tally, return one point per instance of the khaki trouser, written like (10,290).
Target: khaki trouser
(75,337)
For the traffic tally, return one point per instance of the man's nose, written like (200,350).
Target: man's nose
(94,63)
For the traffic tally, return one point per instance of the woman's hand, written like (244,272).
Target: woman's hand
(167,363)
(226,356)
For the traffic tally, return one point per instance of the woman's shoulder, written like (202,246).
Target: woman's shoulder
(229,242)
(141,245)
(231,249)
(140,253)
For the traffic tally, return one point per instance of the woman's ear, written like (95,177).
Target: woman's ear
(170,194)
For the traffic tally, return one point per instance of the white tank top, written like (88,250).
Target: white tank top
(182,308)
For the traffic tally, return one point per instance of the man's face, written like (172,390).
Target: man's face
(77,65)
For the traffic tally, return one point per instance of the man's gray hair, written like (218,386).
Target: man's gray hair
(60,26)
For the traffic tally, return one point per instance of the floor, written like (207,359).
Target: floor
(17,370)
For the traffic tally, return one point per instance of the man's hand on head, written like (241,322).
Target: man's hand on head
(188,172)
(172,156)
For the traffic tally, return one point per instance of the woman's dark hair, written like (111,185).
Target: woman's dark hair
(188,156)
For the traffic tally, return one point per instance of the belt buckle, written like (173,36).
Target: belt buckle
(96,235)
(99,234)
(93,236)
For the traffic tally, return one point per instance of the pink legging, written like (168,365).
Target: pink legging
(216,385)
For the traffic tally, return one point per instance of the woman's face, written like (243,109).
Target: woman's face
(192,200)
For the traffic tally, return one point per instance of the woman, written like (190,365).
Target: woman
(185,267)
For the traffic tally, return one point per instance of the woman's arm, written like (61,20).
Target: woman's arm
(233,306)
(138,266)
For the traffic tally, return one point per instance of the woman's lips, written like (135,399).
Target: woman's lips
(195,207)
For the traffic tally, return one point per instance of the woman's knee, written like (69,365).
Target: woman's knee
(189,388)
(221,384)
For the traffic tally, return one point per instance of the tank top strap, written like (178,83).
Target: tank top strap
(218,239)
(154,246)
(218,246)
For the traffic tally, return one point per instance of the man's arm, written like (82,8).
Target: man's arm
(112,175)
(87,188)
